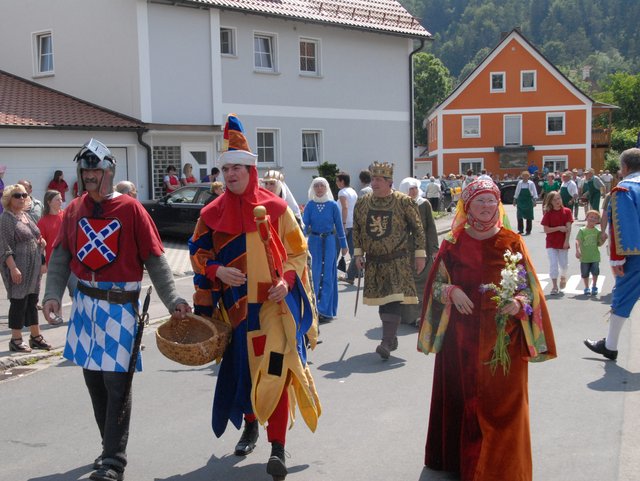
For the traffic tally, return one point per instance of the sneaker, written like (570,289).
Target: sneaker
(594,291)
(38,342)
(587,291)
(107,472)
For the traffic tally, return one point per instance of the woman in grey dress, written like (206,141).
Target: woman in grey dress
(21,250)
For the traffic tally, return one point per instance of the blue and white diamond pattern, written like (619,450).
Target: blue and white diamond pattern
(101,335)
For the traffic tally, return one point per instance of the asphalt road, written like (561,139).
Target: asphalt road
(584,410)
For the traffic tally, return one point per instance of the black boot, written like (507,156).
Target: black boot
(248,439)
(276,466)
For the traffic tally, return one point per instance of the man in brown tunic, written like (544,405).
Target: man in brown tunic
(382,222)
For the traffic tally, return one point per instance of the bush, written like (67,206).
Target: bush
(612,161)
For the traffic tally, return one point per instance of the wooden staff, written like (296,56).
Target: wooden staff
(264,230)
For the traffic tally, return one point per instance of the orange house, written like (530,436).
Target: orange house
(514,109)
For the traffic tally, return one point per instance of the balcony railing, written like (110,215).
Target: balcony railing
(600,137)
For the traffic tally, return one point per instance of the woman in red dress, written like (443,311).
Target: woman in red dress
(51,220)
(479,419)
(58,183)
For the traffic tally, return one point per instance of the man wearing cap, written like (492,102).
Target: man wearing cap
(254,273)
(381,222)
(106,240)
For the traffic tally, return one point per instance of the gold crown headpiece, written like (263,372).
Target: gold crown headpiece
(381,169)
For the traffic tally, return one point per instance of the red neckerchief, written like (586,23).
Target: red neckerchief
(233,214)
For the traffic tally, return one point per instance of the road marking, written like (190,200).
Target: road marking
(574,283)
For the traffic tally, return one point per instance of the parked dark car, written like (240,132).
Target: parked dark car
(176,213)
(507,190)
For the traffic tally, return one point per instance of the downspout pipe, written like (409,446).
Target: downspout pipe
(149,161)
(411,129)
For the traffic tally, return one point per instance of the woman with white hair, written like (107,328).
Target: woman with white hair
(411,187)
(323,222)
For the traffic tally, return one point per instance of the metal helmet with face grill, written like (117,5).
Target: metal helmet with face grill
(94,155)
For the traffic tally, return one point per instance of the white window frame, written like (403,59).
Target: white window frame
(273,53)
(504,129)
(275,148)
(556,160)
(561,115)
(535,81)
(318,147)
(467,135)
(471,161)
(316,58)
(38,54)
(504,83)
(232,42)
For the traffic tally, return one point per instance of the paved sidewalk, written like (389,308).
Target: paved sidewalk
(176,253)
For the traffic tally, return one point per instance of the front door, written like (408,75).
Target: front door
(200,156)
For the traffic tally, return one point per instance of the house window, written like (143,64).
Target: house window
(309,57)
(311,154)
(267,146)
(44,53)
(471,126)
(498,82)
(227,41)
(512,130)
(555,123)
(527,80)
(556,163)
(264,52)
(476,165)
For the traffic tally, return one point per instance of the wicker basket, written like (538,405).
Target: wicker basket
(194,341)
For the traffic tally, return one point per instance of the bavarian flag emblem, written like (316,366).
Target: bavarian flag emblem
(97,241)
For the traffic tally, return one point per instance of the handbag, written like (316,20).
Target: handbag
(342,264)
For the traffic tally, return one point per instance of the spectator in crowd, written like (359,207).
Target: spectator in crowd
(365,182)
(33,206)
(187,176)
(171,181)
(21,252)
(3,169)
(606,178)
(433,194)
(347,198)
(127,187)
(568,191)
(58,183)
(273,181)
(213,176)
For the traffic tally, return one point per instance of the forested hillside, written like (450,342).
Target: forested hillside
(600,34)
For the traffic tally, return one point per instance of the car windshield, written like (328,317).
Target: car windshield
(182,196)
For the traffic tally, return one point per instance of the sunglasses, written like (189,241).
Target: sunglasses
(22,195)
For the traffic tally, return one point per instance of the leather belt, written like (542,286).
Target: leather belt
(388,257)
(322,234)
(112,296)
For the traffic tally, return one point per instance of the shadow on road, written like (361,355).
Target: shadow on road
(367,363)
(615,378)
(75,474)
(225,469)
(431,475)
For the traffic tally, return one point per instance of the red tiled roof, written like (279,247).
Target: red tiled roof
(27,104)
(382,15)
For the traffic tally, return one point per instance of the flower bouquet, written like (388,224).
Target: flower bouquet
(513,280)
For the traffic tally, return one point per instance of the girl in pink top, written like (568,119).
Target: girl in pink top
(58,183)
(51,220)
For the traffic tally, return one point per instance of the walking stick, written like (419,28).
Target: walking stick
(142,320)
(264,230)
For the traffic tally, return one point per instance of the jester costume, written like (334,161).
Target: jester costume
(479,421)
(263,374)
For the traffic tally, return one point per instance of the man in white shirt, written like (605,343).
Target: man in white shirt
(347,198)
(607,178)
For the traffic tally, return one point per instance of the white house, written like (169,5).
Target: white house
(312,81)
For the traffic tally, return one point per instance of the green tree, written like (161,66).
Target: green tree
(329,172)
(624,91)
(432,84)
